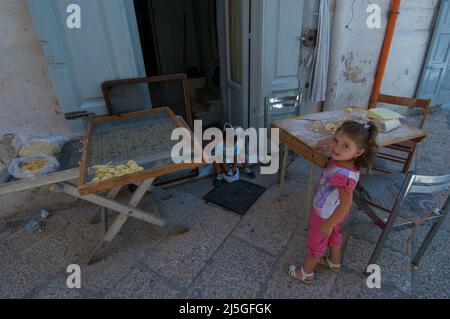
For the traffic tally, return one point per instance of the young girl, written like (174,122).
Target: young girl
(351,148)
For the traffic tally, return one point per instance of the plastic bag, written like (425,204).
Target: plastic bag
(33,145)
(28,167)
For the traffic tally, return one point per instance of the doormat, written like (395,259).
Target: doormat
(237,197)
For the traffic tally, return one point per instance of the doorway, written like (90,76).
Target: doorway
(180,36)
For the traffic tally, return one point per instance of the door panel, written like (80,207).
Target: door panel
(444,92)
(106,47)
(434,82)
(282,26)
(273,51)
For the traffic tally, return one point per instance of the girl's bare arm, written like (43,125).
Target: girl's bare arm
(346,199)
(345,203)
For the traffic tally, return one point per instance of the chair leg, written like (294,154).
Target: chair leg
(384,235)
(427,240)
(408,160)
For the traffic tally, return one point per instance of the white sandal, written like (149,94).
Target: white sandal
(305,278)
(324,261)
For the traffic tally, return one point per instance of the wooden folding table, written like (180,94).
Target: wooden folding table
(117,139)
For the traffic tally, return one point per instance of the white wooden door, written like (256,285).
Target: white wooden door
(435,81)
(278,36)
(105,47)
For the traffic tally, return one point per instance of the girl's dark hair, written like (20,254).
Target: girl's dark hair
(364,136)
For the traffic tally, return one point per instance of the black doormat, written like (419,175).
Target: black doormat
(237,197)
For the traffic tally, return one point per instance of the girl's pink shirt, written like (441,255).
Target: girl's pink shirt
(326,198)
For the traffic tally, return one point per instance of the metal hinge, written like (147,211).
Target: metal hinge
(78,114)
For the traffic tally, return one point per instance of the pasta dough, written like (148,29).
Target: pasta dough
(107,171)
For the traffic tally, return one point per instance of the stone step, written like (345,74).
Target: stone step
(197,107)
(206,96)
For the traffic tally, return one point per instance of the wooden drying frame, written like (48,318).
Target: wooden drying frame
(107,85)
(87,188)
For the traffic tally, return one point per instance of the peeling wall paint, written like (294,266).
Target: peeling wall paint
(355,51)
(353,55)
(351,72)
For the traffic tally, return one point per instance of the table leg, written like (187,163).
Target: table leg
(125,211)
(100,212)
(283,169)
(308,207)
(172,228)
(100,251)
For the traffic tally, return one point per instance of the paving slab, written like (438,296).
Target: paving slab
(181,258)
(21,241)
(442,115)
(432,278)
(57,289)
(19,277)
(142,285)
(353,285)
(270,223)
(237,270)
(282,286)
(199,188)
(396,269)
(265,180)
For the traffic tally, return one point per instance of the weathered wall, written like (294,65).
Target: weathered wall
(28,103)
(356,48)
(409,47)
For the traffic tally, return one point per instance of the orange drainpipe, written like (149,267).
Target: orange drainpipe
(384,53)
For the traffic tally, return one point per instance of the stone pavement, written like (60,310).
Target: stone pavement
(225,255)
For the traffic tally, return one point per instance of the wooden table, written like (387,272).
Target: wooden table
(301,134)
(71,180)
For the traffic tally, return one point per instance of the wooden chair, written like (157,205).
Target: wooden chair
(407,147)
(165,90)
(390,193)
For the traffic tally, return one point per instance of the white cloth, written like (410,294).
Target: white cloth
(321,54)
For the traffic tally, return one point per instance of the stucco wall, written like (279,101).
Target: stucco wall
(28,103)
(409,47)
(355,51)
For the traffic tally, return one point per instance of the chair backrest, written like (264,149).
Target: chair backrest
(429,184)
(165,90)
(424,185)
(408,102)
(280,107)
